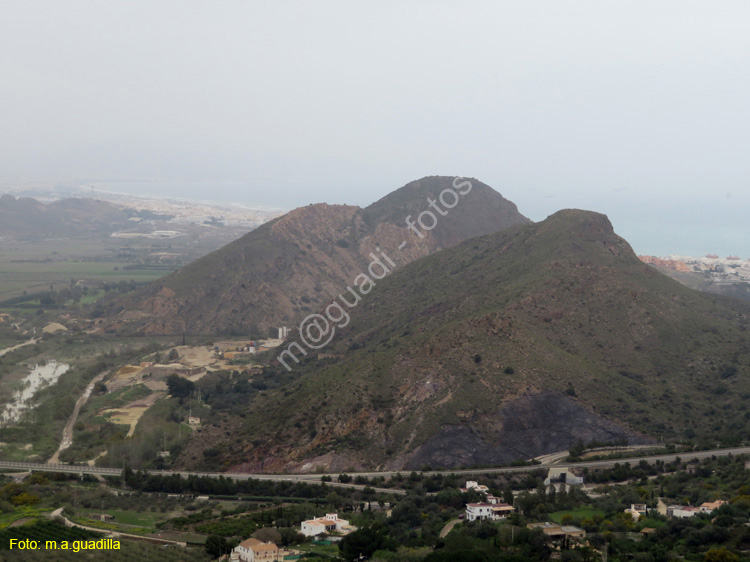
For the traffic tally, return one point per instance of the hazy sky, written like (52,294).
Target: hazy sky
(637,109)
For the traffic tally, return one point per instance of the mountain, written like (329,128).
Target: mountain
(504,347)
(291,266)
(28,217)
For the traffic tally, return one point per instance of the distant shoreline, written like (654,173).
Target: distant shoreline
(107,194)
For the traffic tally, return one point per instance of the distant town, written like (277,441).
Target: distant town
(721,270)
(197,212)
(183,211)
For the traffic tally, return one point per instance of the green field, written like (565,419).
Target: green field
(22,512)
(34,266)
(323,550)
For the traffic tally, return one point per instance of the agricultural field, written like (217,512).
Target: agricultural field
(35,266)
(26,512)
(30,265)
(128,552)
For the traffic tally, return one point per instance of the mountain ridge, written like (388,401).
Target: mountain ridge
(292,265)
(507,346)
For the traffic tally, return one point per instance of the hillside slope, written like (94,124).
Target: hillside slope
(27,217)
(280,272)
(507,346)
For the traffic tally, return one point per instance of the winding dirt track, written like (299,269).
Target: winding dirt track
(32,341)
(67,434)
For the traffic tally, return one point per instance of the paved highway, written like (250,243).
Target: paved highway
(106,471)
(316,478)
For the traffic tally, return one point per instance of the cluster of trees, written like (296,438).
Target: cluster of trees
(16,495)
(180,387)
(221,486)
(58,298)
(579,447)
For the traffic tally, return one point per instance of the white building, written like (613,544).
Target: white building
(682,511)
(709,507)
(493,512)
(253,550)
(328,524)
(476,511)
(501,511)
(637,510)
(562,476)
(472,485)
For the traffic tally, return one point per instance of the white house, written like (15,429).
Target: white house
(637,510)
(472,485)
(562,476)
(682,511)
(253,550)
(489,511)
(708,507)
(502,510)
(476,511)
(331,523)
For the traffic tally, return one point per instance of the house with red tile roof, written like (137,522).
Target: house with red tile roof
(331,523)
(253,550)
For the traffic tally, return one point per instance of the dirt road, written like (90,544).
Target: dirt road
(67,434)
(32,341)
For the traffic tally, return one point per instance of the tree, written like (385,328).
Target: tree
(179,387)
(721,555)
(363,543)
(25,499)
(577,449)
(217,545)
(290,535)
(508,495)
(267,534)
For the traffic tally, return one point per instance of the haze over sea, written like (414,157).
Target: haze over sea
(689,226)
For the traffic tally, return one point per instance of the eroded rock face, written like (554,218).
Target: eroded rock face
(531,426)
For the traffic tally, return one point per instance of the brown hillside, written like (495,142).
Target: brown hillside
(286,269)
(507,346)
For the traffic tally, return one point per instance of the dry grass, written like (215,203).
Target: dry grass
(131,413)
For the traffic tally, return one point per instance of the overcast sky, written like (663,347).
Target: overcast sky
(637,109)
